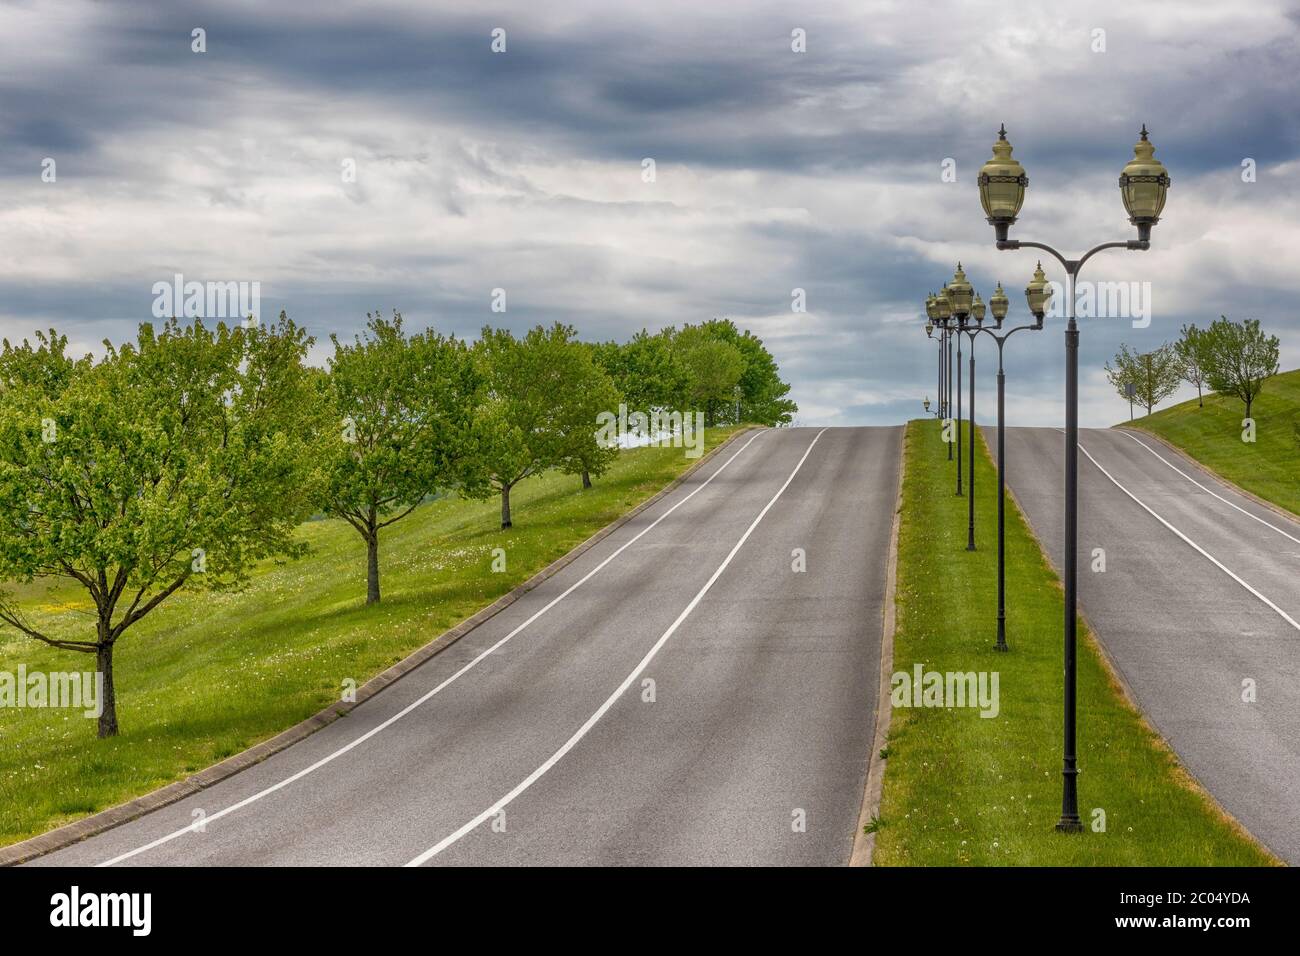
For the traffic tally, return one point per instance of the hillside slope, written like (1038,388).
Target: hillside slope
(208,675)
(1270,467)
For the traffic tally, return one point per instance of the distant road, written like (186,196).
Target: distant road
(1200,596)
(533,740)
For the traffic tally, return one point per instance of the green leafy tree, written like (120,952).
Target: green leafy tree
(523,426)
(646,371)
(713,371)
(590,392)
(1238,358)
(1190,351)
(403,406)
(1155,375)
(176,461)
(762,392)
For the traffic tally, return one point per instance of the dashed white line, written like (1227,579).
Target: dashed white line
(412,706)
(1210,491)
(619,691)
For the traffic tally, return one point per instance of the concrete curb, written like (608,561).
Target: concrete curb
(79,830)
(1092,638)
(864,844)
(1182,453)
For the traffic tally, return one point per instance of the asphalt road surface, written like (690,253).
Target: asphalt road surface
(539,739)
(1199,601)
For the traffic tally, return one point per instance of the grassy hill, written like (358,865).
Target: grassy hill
(206,676)
(1270,467)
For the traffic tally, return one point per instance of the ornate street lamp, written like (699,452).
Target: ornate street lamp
(1144,183)
(1002,182)
(943,312)
(926,403)
(998,302)
(957,293)
(931,313)
(1143,186)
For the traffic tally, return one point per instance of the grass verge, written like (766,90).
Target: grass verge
(206,676)
(961,789)
(1270,466)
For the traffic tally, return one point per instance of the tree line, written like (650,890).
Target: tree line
(1230,358)
(183,458)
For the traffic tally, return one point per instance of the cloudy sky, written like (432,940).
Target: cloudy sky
(774,170)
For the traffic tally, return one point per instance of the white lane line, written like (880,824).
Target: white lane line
(410,707)
(1217,563)
(619,691)
(1209,491)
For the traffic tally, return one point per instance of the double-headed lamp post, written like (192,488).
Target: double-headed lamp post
(1143,185)
(1036,295)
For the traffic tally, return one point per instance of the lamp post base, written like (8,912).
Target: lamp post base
(1069,826)
(1001,645)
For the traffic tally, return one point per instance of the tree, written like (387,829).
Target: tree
(404,407)
(762,392)
(522,426)
(1154,375)
(1238,357)
(1190,351)
(179,460)
(713,370)
(646,370)
(590,391)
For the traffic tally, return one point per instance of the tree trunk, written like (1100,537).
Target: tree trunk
(586,479)
(1200,399)
(1248,404)
(372,568)
(108,696)
(505,506)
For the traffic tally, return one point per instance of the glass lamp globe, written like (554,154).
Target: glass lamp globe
(1002,183)
(1143,185)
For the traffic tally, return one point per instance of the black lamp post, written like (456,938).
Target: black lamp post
(943,315)
(1036,295)
(977,318)
(958,300)
(961,298)
(1143,185)
(929,334)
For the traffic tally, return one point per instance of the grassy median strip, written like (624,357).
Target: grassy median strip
(1270,465)
(961,789)
(206,676)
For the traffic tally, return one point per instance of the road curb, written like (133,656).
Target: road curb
(97,823)
(864,844)
(1092,639)
(1262,502)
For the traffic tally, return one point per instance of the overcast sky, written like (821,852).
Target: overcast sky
(774,170)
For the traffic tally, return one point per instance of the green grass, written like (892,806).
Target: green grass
(1270,467)
(206,676)
(964,790)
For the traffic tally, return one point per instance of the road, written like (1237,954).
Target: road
(1200,597)
(536,738)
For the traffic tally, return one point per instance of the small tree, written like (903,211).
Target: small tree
(713,368)
(1190,351)
(1154,375)
(403,408)
(1238,357)
(520,427)
(590,391)
(177,461)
